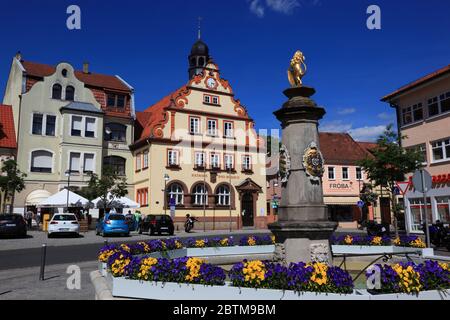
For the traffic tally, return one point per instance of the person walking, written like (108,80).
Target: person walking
(29,219)
(38,220)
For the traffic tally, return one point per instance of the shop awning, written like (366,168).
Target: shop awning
(60,200)
(36,197)
(348,201)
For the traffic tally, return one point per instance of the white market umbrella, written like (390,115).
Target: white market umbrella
(59,200)
(113,202)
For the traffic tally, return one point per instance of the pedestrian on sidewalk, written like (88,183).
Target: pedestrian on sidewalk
(29,219)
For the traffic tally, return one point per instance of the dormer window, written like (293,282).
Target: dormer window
(116,100)
(56,91)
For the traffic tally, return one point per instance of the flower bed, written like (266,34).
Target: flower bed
(355,240)
(150,278)
(412,279)
(348,244)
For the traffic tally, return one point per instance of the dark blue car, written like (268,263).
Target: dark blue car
(113,224)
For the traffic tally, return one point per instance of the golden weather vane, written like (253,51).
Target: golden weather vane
(297,69)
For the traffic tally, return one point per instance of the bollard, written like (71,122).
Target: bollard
(105,242)
(43,257)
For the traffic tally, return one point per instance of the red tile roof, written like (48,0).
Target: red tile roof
(418,82)
(340,149)
(92,79)
(369,146)
(154,116)
(7,132)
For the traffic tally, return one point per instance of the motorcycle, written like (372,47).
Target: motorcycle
(377,229)
(189,224)
(439,235)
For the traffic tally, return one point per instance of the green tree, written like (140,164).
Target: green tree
(109,182)
(390,163)
(11,181)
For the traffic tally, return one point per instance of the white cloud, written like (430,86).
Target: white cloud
(257,8)
(346,111)
(335,126)
(287,7)
(367,133)
(386,116)
(283,6)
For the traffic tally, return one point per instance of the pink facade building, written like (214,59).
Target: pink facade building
(423,116)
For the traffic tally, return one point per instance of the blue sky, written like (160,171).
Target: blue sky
(147,43)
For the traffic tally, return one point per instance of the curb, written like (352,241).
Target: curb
(102,291)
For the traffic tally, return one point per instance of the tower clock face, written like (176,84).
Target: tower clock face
(211,83)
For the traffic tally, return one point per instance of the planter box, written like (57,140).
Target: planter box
(122,287)
(355,249)
(424,295)
(102,267)
(213,251)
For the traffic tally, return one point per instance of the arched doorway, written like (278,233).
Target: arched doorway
(247,210)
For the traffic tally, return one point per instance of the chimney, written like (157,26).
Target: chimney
(86,67)
(18,56)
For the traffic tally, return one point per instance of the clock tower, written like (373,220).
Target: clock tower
(198,58)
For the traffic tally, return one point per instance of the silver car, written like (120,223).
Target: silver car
(63,223)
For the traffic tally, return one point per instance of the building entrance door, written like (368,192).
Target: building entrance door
(385,208)
(247,209)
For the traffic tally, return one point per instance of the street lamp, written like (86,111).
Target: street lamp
(166,178)
(67,174)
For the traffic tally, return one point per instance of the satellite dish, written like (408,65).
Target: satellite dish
(108,130)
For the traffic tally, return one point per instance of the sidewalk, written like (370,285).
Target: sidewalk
(35,239)
(24,284)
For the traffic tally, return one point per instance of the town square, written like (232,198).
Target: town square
(254,150)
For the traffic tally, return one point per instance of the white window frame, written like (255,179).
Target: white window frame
(30,160)
(212,130)
(179,195)
(84,161)
(214,158)
(145,160)
(83,126)
(334,173)
(206,98)
(81,169)
(194,125)
(138,161)
(215,100)
(223,197)
(170,157)
(348,173)
(203,157)
(228,133)
(200,196)
(247,162)
(44,124)
(226,161)
(361,173)
(445,157)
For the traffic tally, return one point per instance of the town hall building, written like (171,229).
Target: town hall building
(196,152)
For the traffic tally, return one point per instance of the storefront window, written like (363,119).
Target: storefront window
(341,213)
(443,213)
(418,213)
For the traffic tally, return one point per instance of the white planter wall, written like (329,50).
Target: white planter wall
(355,249)
(174,291)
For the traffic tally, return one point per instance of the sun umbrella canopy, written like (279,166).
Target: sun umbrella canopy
(112,202)
(59,200)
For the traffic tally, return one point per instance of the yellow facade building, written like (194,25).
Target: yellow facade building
(196,152)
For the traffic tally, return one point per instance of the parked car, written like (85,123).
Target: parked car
(112,224)
(13,225)
(157,223)
(63,224)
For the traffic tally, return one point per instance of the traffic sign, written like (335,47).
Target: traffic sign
(172,202)
(360,203)
(403,186)
(422,181)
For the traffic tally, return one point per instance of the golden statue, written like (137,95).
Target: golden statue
(295,71)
